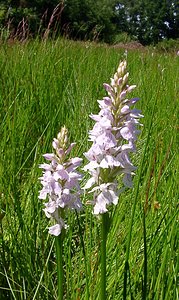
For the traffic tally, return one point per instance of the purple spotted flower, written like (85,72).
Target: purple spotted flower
(113,138)
(60,182)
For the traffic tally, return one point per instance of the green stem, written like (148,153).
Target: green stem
(104,232)
(126,268)
(84,254)
(60,278)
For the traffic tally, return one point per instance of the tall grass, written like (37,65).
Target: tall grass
(43,86)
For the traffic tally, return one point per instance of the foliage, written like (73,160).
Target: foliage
(148,21)
(90,19)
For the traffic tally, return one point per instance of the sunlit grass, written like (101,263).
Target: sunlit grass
(45,85)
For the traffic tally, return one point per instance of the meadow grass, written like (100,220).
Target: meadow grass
(43,86)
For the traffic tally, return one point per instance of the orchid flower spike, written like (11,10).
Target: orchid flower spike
(113,138)
(60,182)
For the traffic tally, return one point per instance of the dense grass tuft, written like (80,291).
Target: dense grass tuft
(45,85)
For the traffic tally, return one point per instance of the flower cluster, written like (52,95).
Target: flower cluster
(60,182)
(113,138)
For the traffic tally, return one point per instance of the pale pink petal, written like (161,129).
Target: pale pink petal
(89,183)
(55,229)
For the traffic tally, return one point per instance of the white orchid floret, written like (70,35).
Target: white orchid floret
(57,228)
(104,195)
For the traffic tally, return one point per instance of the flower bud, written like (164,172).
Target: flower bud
(125,78)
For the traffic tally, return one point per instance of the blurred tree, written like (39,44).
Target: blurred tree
(89,19)
(149,21)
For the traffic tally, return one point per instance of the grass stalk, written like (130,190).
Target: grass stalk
(104,232)
(85,260)
(126,267)
(145,258)
(60,275)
